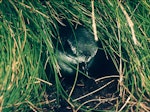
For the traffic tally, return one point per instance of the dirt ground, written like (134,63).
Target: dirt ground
(94,94)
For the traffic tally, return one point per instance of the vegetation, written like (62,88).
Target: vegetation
(27,31)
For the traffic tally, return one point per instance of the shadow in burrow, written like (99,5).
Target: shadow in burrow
(101,67)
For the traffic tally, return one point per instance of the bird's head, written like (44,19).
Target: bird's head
(81,49)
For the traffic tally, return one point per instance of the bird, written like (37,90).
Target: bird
(78,50)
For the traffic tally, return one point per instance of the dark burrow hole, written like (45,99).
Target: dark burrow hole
(101,67)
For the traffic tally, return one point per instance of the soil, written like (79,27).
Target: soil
(99,97)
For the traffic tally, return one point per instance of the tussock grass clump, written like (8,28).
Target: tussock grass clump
(30,32)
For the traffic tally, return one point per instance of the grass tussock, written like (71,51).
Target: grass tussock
(27,31)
